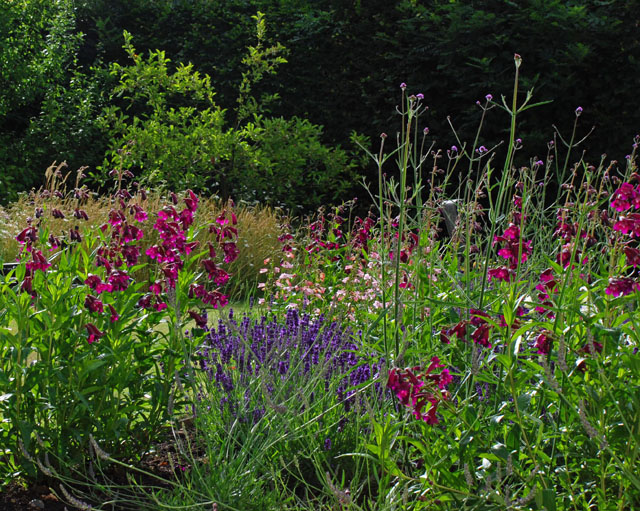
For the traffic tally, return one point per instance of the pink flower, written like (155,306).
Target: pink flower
(93,304)
(219,276)
(38,262)
(131,254)
(131,233)
(27,236)
(626,196)
(80,214)
(481,335)
(119,280)
(95,283)
(191,201)
(230,251)
(139,214)
(543,343)
(114,314)
(145,301)
(629,225)
(116,218)
(201,321)
(633,256)
(94,333)
(621,286)
(501,273)
(156,287)
(410,387)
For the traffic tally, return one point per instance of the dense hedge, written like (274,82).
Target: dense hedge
(345,61)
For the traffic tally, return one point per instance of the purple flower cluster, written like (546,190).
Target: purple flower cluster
(285,354)
(624,199)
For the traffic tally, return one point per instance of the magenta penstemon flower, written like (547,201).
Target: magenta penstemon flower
(543,343)
(94,333)
(200,319)
(119,280)
(93,304)
(621,286)
(80,214)
(95,283)
(38,262)
(114,314)
(629,225)
(416,389)
(503,273)
(632,255)
(514,249)
(625,197)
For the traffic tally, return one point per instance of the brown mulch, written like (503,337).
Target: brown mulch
(17,497)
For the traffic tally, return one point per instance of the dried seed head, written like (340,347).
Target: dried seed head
(24,451)
(43,469)
(98,450)
(467,476)
(83,506)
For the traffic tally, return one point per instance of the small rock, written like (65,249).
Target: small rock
(36,504)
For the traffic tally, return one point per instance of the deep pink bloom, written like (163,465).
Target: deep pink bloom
(171,273)
(80,214)
(114,314)
(116,217)
(131,233)
(460,329)
(145,301)
(156,287)
(74,235)
(27,285)
(621,286)
(230,251)
(626,196)
(160,306)
(191,200)
(28,236)
(119,280)
(131,254)
(38,262)
(93,304)
(410,387)
(543,343)
(94,333)
(54,242)
(513,246)
(56,213)
(219,276)
(186,218)
(139,214)
(478,317)
(200,320)
(501,273)
(633,256)
(95,283)
(629,225)
(481,335)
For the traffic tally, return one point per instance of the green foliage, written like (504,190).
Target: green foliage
(173,135)
(38,44)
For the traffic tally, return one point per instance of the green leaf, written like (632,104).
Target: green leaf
(549,499)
